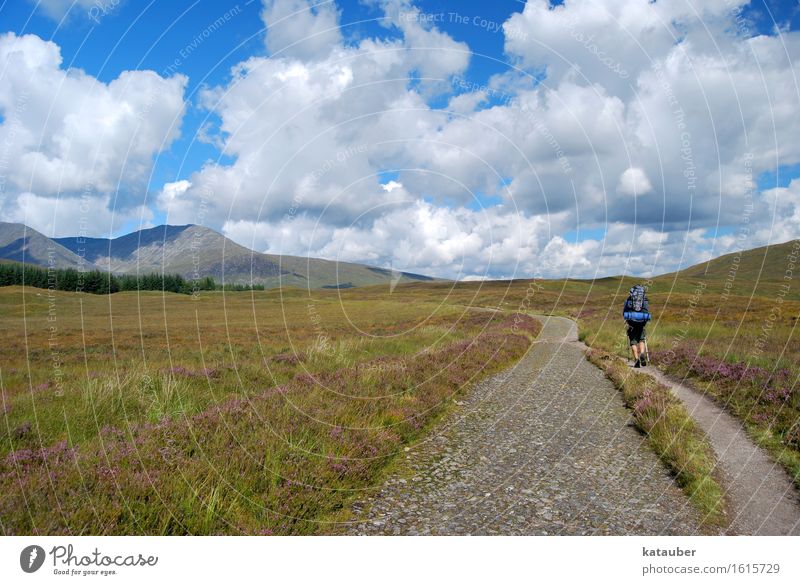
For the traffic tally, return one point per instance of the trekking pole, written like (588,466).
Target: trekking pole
(646,351)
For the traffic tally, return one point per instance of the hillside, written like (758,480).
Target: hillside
(23,244)
(193,252)
(759,271)
(764,263)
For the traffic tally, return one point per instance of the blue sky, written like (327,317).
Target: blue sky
(505,52)
(132,37)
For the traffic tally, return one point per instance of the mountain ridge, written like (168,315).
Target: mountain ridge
(193,252)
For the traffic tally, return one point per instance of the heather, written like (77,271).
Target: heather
(129,358)
(671,432)
(158,456)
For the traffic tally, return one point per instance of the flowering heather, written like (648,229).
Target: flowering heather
(289,358)
(41,387)
(271,462)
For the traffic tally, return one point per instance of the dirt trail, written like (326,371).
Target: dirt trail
(546,447)
(762,498)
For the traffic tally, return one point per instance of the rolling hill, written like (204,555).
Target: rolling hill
(758,271)
(764,263)
(193,252)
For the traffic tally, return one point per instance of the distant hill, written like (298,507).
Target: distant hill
(23,244)
(764,263)
(759,272)
(192,251)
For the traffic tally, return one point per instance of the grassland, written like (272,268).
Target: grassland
(250,413)
(255,412)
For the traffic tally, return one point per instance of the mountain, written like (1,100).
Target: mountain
(23,244)
(194,252)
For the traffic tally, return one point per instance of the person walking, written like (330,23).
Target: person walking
(636,313)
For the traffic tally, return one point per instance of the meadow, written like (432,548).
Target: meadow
(267,412)
(229,413)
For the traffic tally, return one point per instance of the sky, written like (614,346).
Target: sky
(459,139)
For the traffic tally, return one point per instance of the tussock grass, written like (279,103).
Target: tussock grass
(672,434)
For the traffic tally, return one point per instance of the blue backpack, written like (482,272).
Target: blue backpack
(636,307)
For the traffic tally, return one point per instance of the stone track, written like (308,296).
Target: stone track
(545,447)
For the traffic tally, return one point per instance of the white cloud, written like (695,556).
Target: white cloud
(391,186)
(66,133)
(666,102)
(301,29)
(634,182)
(72,216)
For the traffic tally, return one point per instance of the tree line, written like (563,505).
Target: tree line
(103,283)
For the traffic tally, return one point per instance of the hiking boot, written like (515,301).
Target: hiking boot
(637,364)
(643,361)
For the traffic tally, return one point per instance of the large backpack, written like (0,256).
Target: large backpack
(635,307)
(636,297)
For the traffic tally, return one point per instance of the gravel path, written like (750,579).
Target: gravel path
(546,447)
(763,499)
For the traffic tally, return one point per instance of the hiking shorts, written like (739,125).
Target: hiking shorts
(636,331)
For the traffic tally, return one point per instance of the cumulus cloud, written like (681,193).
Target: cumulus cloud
(677,105)
(67,134)
(649,122)
(420,236)
(301,29)
(634,182)
(70,216)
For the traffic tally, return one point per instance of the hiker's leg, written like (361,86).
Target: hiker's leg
(632,341)
(635,350)
(641,348)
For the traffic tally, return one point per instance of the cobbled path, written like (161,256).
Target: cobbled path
(546,447)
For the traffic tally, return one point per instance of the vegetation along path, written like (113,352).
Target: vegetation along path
(763,499)
(546,447)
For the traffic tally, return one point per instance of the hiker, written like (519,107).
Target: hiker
(636,313)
